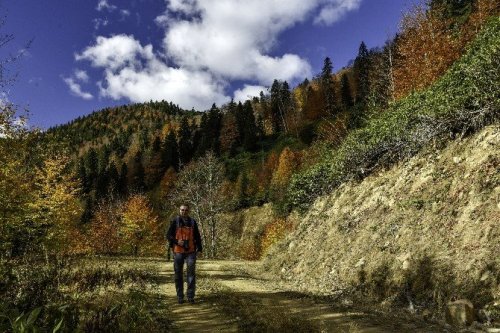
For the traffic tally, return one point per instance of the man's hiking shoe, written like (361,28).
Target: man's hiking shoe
(180,300)
(191,300)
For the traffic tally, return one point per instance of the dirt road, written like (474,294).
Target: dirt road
(230,298)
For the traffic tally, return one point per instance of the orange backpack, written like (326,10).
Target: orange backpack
(185,233)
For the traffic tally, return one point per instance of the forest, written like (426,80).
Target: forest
(108,184)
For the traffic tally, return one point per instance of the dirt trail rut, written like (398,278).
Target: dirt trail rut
(230,299)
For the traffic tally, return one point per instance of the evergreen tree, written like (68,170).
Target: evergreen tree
(88,211)
(280,104)
(123,181)
(327,87)
(85,182)
(92,168)
(92,163)
(138,174)
(275,106)
(185,143)
(102,184)
(250,130)
(204,143)
(362,68)
(114,179)
(215,126)
(156,145)
(346,92)
(170,152)
(240,123)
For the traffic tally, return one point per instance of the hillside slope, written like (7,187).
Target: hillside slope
(420,234)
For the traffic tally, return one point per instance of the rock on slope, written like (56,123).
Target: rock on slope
(422,233)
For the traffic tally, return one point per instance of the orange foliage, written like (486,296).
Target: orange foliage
(425,50)
(103,233)
(484,9)
(274,232)
(427,45)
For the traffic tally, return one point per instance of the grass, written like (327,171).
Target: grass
(84,295)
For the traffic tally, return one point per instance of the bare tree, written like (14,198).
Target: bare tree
(200,185)
(7,78)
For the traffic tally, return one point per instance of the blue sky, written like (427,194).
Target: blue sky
(92,54)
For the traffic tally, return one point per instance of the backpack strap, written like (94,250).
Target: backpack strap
(189,223)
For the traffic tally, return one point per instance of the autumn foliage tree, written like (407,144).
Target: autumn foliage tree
(289,162)
(139,227)
(56,206)
(103,232)
(431,39)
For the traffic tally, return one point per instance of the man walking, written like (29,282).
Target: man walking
(183,236)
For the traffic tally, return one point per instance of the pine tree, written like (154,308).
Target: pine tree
(215,126)
(123,181)
(204,143)
(362,68)
(280,104)
(327,87)
(156,144)
(138,174)
(92,164)
(185,143)
(347,101)
(250,129)
(85,182)
(275,107)
(114,179)
(170,152)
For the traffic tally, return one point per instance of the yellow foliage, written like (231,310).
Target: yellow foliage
(56,204)
(139,227)
(288,163)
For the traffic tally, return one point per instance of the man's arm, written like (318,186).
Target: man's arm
(171,233)
(197,238)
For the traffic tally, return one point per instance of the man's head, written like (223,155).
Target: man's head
(184,210)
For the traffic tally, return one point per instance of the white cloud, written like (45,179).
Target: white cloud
(134,72)
(336,10)
(124,13)
(231,38)
(99,22)
(248,92)
(73,83)
(116,52)
(207,44)
(81,75)
(104,4)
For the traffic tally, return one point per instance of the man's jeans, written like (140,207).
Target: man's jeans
(190,259)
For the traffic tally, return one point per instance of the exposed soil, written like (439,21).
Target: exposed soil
(231,297)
